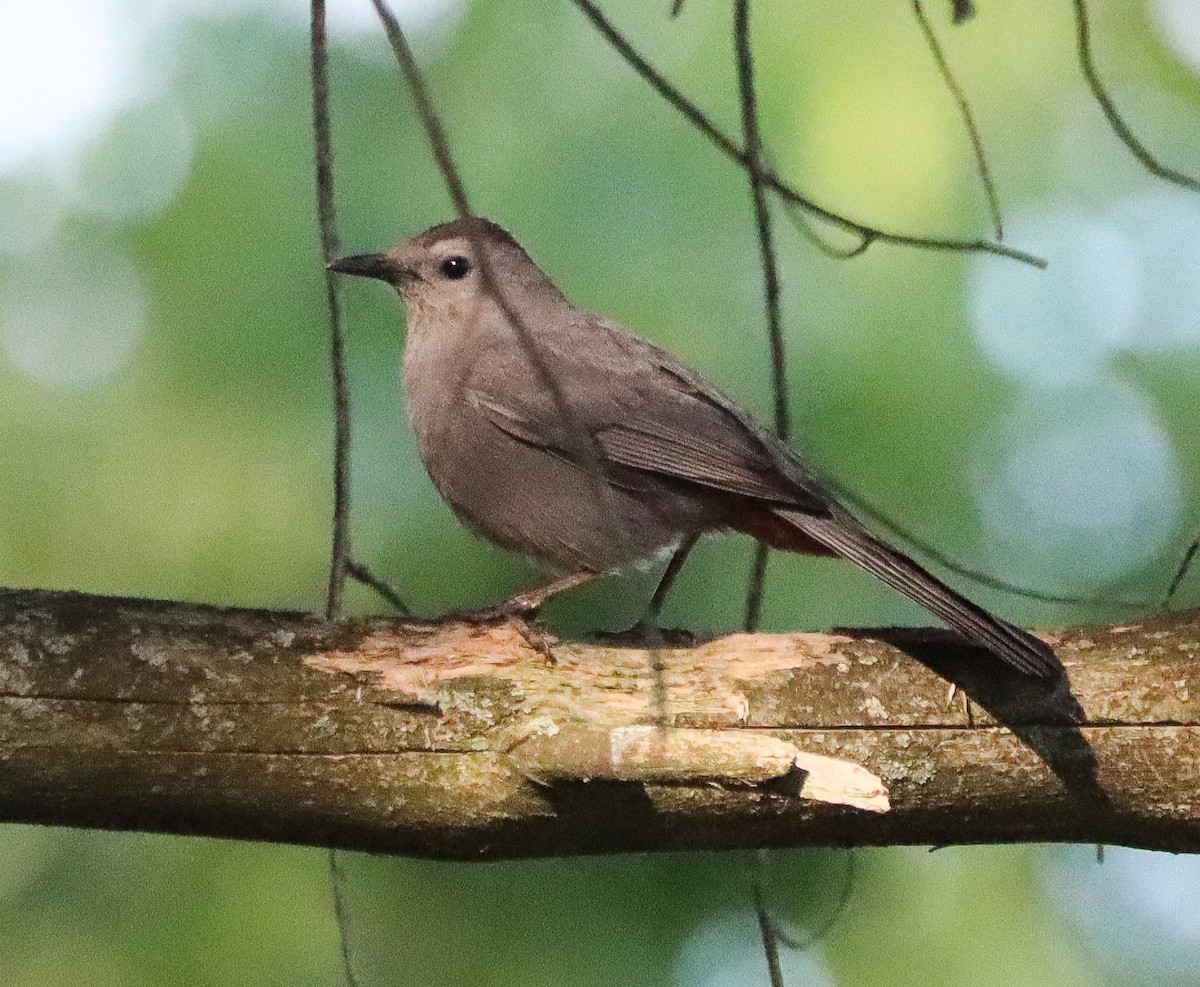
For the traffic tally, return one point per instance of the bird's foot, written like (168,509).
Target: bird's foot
(647,634)
(520,612)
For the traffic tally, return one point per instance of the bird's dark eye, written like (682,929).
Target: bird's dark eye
(456,267)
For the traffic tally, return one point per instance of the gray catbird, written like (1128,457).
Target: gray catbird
(560,435)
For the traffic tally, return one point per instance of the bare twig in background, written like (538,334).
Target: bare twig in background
(752,150)
(769,934)
(968,119)
(706,127)
(840,906)
(770,929)
(327,218)
(340,563)
(430,121)
(1083,44)
(339,555)
(793,203)
(336,884)
(994,582)
(1182,571)
(752,136)
(805,228)
(386,590)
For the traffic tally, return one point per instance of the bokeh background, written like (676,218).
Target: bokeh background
(167,431)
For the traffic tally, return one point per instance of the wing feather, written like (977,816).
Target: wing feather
(646,413)
(701,459)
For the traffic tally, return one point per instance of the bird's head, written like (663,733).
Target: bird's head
(454,267)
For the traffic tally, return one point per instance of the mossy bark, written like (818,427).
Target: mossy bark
(455,740)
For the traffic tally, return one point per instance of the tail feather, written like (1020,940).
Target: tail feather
(845,537)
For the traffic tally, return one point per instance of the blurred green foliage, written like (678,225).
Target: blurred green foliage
(201,469)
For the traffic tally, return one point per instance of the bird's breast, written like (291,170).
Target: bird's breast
(524,494)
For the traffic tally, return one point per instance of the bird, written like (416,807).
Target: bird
(558,434)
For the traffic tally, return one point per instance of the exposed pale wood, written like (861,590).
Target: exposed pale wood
(452,740)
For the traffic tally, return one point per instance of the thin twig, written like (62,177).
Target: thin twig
(327,218)
(1182,571)
(752,138)
(341,564)
(840,907)
(774,935)
(762,215)
(968,118)
(769,935)
(1083,44)
(863,506)
(361,572)
(430,121)
(800,223)
(339,555)
(706,127)
(336,882)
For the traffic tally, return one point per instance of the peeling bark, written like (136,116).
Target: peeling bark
(454,740)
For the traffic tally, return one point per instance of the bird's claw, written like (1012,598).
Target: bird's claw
(518,612)
(647,634)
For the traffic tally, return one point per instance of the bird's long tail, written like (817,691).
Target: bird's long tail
(844,536)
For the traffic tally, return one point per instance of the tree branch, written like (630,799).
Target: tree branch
(452,740)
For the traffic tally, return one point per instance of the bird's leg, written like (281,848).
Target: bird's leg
(646,630)
(519,610)
(648,625)
(530,601)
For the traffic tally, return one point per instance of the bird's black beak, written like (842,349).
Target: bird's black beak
(370,266)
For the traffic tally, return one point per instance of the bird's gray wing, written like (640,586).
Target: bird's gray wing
(623,402)
(687,429)
(650,445)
